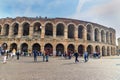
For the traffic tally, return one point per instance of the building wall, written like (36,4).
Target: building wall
(94,38)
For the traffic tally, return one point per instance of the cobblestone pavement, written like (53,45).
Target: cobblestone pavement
(107,68)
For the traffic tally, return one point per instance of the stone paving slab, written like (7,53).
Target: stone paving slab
(106,68)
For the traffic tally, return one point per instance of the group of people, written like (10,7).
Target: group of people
(7,54)
(45,55)
(85,55)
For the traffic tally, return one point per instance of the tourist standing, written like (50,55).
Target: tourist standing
(18,54)
(13,53)
(76,56)
(47,55)
(5,58)
(85,56)
(35,55)
(43,54)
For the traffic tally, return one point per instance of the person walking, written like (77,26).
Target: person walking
(18,54)
(5,58)
(35,55)
(76,56)
(13,53)
(43,54)
(47,55)
(85,56)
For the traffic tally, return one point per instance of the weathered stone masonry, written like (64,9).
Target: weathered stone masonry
(56,34)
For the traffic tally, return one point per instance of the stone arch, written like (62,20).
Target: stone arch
(89,32)
(49,29)
(60,29)
(36,46)
(108,51)
(6,29)
(90,49)
(81,50)
(37,28)
(13,46)
(71,30)
(80,31)
(71,48)
(24,47)
(26,27)
(103,51)
(48,48)
(4,46)
(59,49)
(15,28)
(96,34)
(97,48)
(102,36)
(36,21)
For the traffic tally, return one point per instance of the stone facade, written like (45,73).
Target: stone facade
(56,34)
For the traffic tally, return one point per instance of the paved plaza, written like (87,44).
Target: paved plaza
(106,68)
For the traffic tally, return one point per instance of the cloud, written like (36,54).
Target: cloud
(106,12)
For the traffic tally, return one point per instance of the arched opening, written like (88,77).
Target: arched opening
(70,48)
(37,28)
(102,36)
(96,33)
(15,29)
(4,46)
(13,46)
(97,49)
(49,29)
(90,49)
(81,50)
(60,30)
(108,51)
(0,29)
(59,49)
(36,46)
(26,29)
(80,32)
(6,29)
(71,30)
(48,48)
(24,48)
(89,32)
(103,51)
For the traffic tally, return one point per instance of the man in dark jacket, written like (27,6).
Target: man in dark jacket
(35,55)
(76,56)
(18,54)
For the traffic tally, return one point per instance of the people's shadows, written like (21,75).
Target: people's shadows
(32,61)
(72,63)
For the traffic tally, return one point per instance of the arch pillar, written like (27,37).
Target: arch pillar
(54,50)
(31,31)
(85,34)
(20,32)
(76,34)
(42,31)
(54,31)
(99,38)
(66,33)
(10,31)
(2,31)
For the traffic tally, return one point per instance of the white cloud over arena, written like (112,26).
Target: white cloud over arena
(105,12)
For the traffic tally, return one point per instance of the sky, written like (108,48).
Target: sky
(104,12)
